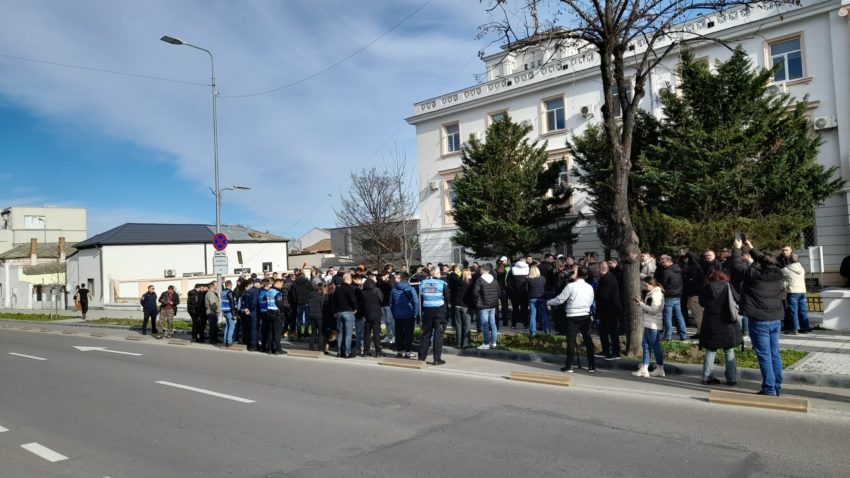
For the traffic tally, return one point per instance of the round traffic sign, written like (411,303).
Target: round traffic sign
(219,242)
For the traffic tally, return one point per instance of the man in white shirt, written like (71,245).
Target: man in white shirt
(578,297)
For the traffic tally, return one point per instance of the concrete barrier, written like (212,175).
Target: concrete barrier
(402,363)
(759,401)
(543,378)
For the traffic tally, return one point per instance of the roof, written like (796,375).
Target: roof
(144,233)
(48,250)
(322,245)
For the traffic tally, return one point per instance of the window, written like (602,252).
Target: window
(563,178)
(498,116)
(35,222)
(615,97)
(555,118)
(451,195)
(788,55)
(267,266)
(452,133)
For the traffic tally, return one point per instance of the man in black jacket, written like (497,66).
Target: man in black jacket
(486,294)
(194,302)
(149,310)
(669,275)
(372,301)
(345,305)
(301,294)
(609,309)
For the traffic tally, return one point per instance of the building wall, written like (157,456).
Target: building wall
(825,42)
(69,223)
(313,236)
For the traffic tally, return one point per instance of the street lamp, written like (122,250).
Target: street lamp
(217,192)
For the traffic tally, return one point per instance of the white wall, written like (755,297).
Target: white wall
(81,267)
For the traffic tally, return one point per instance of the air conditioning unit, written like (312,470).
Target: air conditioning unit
(169,273)
(433,185)
(825,122)
(587,111)
(776,89)
(525,122)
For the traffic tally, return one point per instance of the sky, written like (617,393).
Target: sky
(139,149)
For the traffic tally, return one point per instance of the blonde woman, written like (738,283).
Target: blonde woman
(536,285)
(653,307)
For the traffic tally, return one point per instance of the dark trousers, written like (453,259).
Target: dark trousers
(152,315)
(317,334)
(576,325)
(463,322)
(84,308)
(609,335)
(433,320)
(249,330)
(212,319)
(520,302)
(265,330)
(198,327)
(271,341)
(404,334)
(289,321)
(503,301)
(237,333)
(372,330)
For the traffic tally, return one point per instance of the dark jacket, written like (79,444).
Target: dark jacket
(316,305)
(609,306)
(372,301)
(301,290)
(547,270)
(536,287)
(763,292)
(148,301)
(458,291)
(486,294)
(736,269)
(251,300)
(175,300)
(345,300)
(692,275)
(193,297)
(404,303)
(386,287)
(671,280)
(719,329)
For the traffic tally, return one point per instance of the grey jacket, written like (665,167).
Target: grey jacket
(212,302)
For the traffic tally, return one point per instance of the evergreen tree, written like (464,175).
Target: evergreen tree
(508,199)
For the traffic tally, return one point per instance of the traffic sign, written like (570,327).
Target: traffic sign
(220,263)
(220,242)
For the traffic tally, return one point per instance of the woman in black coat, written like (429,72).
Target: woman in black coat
(720,328)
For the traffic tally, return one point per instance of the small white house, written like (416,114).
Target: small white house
(119,264)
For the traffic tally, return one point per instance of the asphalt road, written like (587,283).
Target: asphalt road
(109,415)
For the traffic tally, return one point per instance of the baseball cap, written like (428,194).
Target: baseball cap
(504,258)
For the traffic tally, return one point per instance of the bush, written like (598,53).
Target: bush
(33,317)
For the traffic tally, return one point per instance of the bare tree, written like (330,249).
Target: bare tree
(631,38)
(380,210)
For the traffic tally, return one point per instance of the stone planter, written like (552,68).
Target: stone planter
(836,309)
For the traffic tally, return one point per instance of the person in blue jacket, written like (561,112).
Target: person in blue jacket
(404,305)
(250,314)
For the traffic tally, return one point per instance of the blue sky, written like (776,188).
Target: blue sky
(139,150)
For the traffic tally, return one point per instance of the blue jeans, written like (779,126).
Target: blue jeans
(765,338)
(731,366)
(652,342)
(487,319)
(229,327)
(302,317)
(387,317)
(344,325)
(538,305)
(673,306)
(797,308)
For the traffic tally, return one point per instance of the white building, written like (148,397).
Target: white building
(559,93)
(32,275)
(119,264)
(46,224)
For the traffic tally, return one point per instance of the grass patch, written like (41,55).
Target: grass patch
(33,317)
(178,324)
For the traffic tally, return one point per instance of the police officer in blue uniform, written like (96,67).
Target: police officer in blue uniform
(277,305)
(435,298)
(250,303)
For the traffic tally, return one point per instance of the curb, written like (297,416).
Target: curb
(80,324)
(788,377)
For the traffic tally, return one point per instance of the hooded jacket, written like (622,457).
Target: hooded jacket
(795,278)
(763,292)
(373,299)
(719,330)
(301,290)
(653,307)
(485,292)
(671,279)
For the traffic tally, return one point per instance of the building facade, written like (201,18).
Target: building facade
(46,224)
(559,93)
(119,264)
(32,275)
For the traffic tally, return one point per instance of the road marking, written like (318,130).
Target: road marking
(3,429)
(205,392)
(27,356)
(104,349)
(44,452)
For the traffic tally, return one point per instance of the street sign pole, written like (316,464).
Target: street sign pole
(220,257)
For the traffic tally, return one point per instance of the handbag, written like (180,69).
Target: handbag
(734,309)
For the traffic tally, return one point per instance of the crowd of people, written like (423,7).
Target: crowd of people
(351,308)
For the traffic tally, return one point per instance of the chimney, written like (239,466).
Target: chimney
(61,249)
(33,251)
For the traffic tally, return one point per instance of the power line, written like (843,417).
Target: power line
(335,64)
(100,70)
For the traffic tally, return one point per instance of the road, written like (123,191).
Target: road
(105,414)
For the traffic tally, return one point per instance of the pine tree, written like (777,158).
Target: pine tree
(508,199)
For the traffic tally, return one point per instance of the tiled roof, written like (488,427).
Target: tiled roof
(49,250)
(140,234)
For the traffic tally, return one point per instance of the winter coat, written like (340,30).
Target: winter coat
(404,302)
(344,298)
(373,299)
(175,300)
(458,291)
(547,270)
(736,269)
(647,269)
(795,278)
(653,307)
(609,305)
(300,290)
(386,287)
(148,301)
(536,287)
(316,305)
(486,292)
(212,302)
(671,279)
(692,275)
(719,330)
(763,292)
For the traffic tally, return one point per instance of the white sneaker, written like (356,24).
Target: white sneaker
(643,371)
(658,372)
(493,346)
(483,347)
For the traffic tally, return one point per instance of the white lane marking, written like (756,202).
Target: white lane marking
(104,349)
(205,392)
(44,452)
(27,356)
(3,429)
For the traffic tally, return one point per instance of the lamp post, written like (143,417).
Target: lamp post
(217,191)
